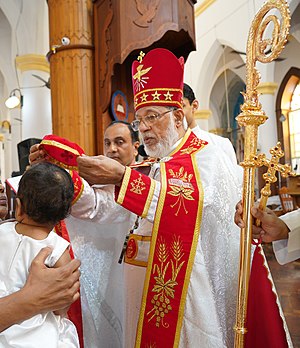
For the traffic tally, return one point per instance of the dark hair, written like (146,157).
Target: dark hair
(188,93)
(46,192)
(134,134)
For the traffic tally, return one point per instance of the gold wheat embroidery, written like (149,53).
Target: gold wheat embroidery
(194,145)
(165,288)
(151,345)
(181,187)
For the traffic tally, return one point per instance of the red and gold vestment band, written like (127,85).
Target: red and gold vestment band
(173,242)
(74,312)
(64,153)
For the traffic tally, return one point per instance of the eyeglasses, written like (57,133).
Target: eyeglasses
(148,120)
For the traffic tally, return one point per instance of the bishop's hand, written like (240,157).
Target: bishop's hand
(37,154)
(100,170)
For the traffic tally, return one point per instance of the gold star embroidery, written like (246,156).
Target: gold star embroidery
(156,95)
(136,101)
(168,96)
(144,97)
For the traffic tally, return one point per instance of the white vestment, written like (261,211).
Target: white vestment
(288,250)
(210,305)
(221,142)
(210,308)
(45,330)
(97,238)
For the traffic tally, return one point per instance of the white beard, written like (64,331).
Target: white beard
(163,147)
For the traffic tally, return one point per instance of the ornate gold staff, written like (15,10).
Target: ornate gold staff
(251,117)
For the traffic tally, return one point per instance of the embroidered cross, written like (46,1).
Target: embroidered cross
(67,156)
(138,186)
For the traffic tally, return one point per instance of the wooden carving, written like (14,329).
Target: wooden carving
(147,10)
(105,45)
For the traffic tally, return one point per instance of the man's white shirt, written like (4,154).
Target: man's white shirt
(288,250)
(224,144)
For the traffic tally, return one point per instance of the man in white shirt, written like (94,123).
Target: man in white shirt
(283,231)
(190,105)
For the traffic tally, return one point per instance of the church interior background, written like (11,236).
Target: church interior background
(215,70)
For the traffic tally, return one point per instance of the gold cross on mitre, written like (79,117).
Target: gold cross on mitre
(270,176)
(141,56)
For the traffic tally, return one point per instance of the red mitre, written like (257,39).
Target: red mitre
(61,151)
(157,79)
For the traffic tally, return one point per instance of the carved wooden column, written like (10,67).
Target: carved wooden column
(72,71)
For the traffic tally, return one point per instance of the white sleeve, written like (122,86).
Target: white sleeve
(59,246)
(288,250)
(97,204)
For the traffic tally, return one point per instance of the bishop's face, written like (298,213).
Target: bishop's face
(158,129)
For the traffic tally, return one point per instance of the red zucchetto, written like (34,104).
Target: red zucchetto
(61,151)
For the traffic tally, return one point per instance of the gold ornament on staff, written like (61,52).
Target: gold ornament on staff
(251,117)
(273,166)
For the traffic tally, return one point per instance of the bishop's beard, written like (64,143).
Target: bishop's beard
(163,147)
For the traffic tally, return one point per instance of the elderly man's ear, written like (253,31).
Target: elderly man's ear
(179,115)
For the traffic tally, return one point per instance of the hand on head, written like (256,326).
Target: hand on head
(272,228)
(37,154)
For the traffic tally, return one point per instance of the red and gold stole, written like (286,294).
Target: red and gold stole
(173,243)
(74,312)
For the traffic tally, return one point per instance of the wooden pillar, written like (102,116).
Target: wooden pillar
(72,71)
